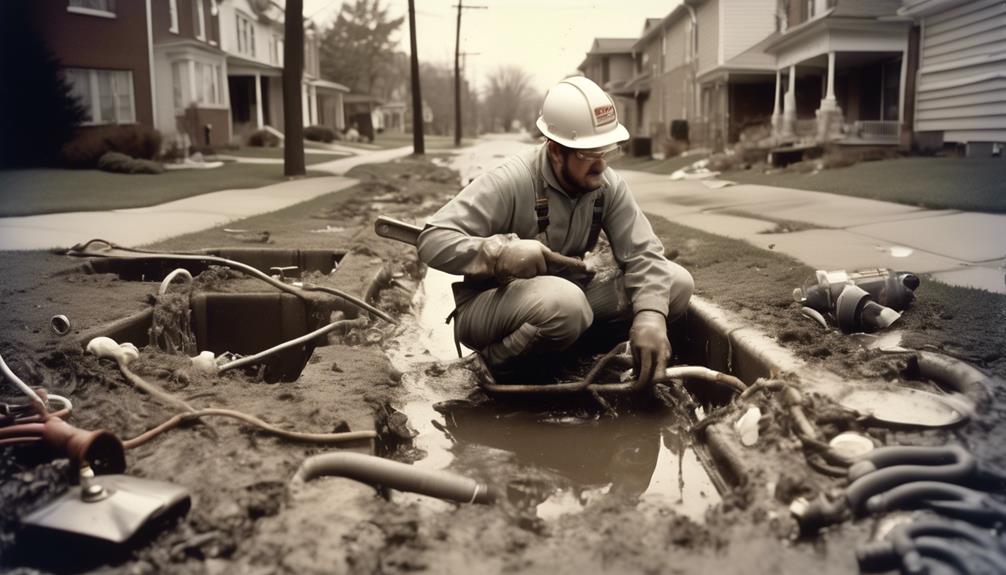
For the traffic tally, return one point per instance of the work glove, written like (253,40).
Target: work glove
(520,259)
(649,344)
(524,259)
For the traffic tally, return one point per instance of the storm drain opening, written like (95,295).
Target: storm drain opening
(242,323)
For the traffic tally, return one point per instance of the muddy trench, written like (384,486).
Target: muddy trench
(658,483)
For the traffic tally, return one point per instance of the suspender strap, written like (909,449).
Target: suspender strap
(541,209)
(595,223)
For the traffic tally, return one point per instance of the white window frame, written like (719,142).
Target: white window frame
(246,45)
(93,89)
(173,12)
(200,19)
(91,11)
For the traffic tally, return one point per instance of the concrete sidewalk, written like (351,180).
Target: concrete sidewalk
(955,247)
(140,226)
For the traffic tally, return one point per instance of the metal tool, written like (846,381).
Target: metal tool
(110,507)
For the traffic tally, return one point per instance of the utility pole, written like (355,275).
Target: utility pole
(418,144)
(293,74)
(457,74)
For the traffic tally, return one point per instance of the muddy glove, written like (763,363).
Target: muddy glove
(520,259)
(650,347)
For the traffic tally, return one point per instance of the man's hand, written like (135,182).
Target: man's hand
(650,347)
(520,259)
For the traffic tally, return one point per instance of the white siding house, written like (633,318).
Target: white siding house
(961,91)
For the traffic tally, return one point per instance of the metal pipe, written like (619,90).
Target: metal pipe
(252,359)
(393,474)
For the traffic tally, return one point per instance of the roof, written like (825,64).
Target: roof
(607,47)
(612,46)
(326,85)
(918,8)
(361,99)
(654,25)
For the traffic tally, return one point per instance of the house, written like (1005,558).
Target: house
(252,33)
(112,77)
(610,64)
(700,71)
(960,93)
(841,67)
(190,72)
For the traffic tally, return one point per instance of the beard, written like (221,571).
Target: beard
(578,187)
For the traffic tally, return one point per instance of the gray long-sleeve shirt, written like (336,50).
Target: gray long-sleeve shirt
(464,237)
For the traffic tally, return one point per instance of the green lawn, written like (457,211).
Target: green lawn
(973,184)
(46,191)
(277,154)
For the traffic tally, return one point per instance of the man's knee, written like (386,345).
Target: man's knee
(681,291)
(561,311)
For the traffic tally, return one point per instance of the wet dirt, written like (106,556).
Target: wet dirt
(581,491)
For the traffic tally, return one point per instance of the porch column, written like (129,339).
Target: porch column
(789,105)
(776,111)
(901,87)
(829,115)
(258,101)
(314,104)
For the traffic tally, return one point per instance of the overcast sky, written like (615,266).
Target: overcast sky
(548,38)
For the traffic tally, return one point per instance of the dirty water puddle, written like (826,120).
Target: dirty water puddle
(642,455)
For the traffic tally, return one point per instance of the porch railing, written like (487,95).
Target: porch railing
(876,130)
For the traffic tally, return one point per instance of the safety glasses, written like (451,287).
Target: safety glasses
(607,154)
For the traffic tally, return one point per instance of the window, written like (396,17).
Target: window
(207,84)
(104,8)
(246,35)
(782,16)
(173,10)
(200,19)
(105,95)
(809,8)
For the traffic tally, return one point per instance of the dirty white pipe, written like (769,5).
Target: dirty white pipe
(401,476)
(36,401)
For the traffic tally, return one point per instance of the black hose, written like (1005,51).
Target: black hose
(401,476)
(909,455)
(901,544)
(883,479)
(948,499)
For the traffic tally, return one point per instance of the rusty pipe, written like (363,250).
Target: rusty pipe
(100,449)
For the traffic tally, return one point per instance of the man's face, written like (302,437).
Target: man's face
(580,170)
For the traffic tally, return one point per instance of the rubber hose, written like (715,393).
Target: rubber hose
(957,554)
(954,373)
(887,478)
(903,539)
(401,476)
(909,454)
(253,359)
(968,504)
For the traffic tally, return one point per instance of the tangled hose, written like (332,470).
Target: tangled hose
(81,249)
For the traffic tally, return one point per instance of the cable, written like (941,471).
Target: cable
(174,421)
(252,359)
(36,401)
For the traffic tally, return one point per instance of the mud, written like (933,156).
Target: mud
(552,517)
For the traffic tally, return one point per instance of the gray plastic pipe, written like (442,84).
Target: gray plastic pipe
(379,471)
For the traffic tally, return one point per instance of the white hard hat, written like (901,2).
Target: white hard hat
(578,114)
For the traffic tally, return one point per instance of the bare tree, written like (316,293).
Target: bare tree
(508,96)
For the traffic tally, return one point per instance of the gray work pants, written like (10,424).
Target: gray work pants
(528,318)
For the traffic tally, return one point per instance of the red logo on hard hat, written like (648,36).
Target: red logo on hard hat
(604,115)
